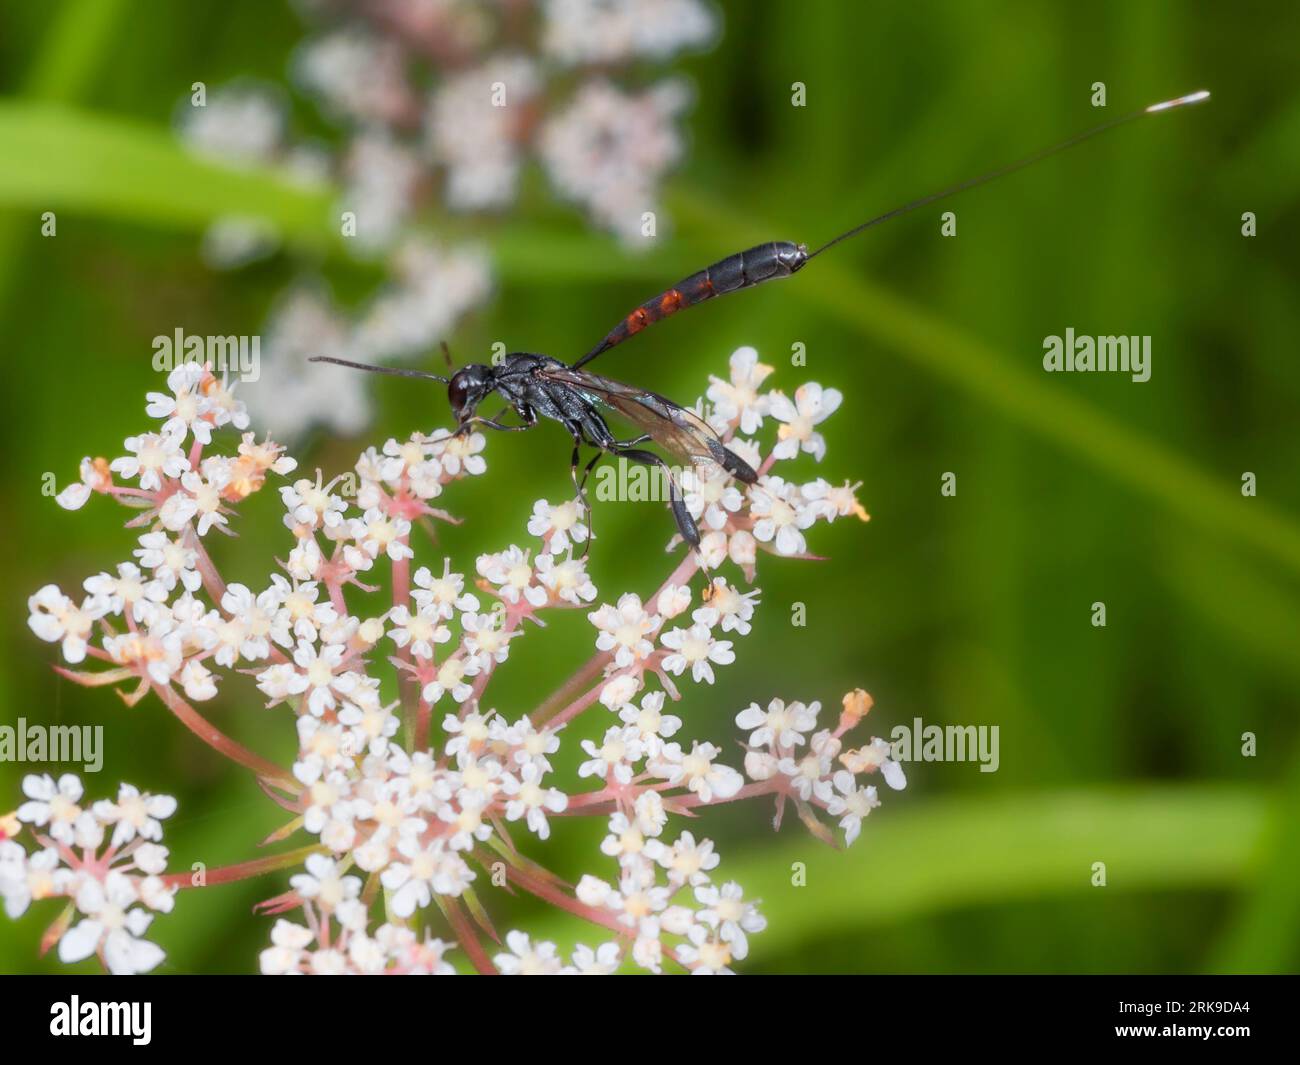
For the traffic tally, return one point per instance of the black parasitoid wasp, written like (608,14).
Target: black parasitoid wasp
(538,385)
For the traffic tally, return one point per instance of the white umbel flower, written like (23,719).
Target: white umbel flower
(812,405)
(113,925)
(695,649)
(134,814)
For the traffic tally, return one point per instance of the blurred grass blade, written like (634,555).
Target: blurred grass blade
(1264,936)
(74,48)
(58,157)
(71,54)
(961,852)
(1257,613)
(964,852)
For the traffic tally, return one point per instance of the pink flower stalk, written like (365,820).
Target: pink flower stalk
(410,810)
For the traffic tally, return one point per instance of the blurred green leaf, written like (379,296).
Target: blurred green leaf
(952,853)
(62,157)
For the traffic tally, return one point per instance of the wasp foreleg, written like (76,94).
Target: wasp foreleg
(528,416)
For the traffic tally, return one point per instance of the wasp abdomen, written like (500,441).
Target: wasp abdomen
(778,258)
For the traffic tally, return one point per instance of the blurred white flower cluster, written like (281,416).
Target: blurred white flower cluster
(441,102)
(409,786)
(104,858)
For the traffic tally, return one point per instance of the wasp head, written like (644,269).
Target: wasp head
(467,389)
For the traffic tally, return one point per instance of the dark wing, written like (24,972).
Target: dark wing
(678,430)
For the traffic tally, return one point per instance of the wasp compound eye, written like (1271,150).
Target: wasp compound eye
(457,394)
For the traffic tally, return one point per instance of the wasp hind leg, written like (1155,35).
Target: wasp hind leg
(603,441)
(685,523)
(586,504)
(580,489)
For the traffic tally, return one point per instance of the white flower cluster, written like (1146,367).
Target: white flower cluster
(244,125)
(779,731)
(414,815)
(359,77)
(609,149)
(602,148)
(431,287)
(155,625)
(103,857)
(392,948)
(775,513)
(600,32)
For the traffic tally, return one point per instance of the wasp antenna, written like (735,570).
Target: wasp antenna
(1011,168)
(446,354)
(378,369)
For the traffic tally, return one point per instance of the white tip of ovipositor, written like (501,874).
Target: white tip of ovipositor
(1190,98)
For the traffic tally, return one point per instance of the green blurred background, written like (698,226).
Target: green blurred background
(1120,745)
